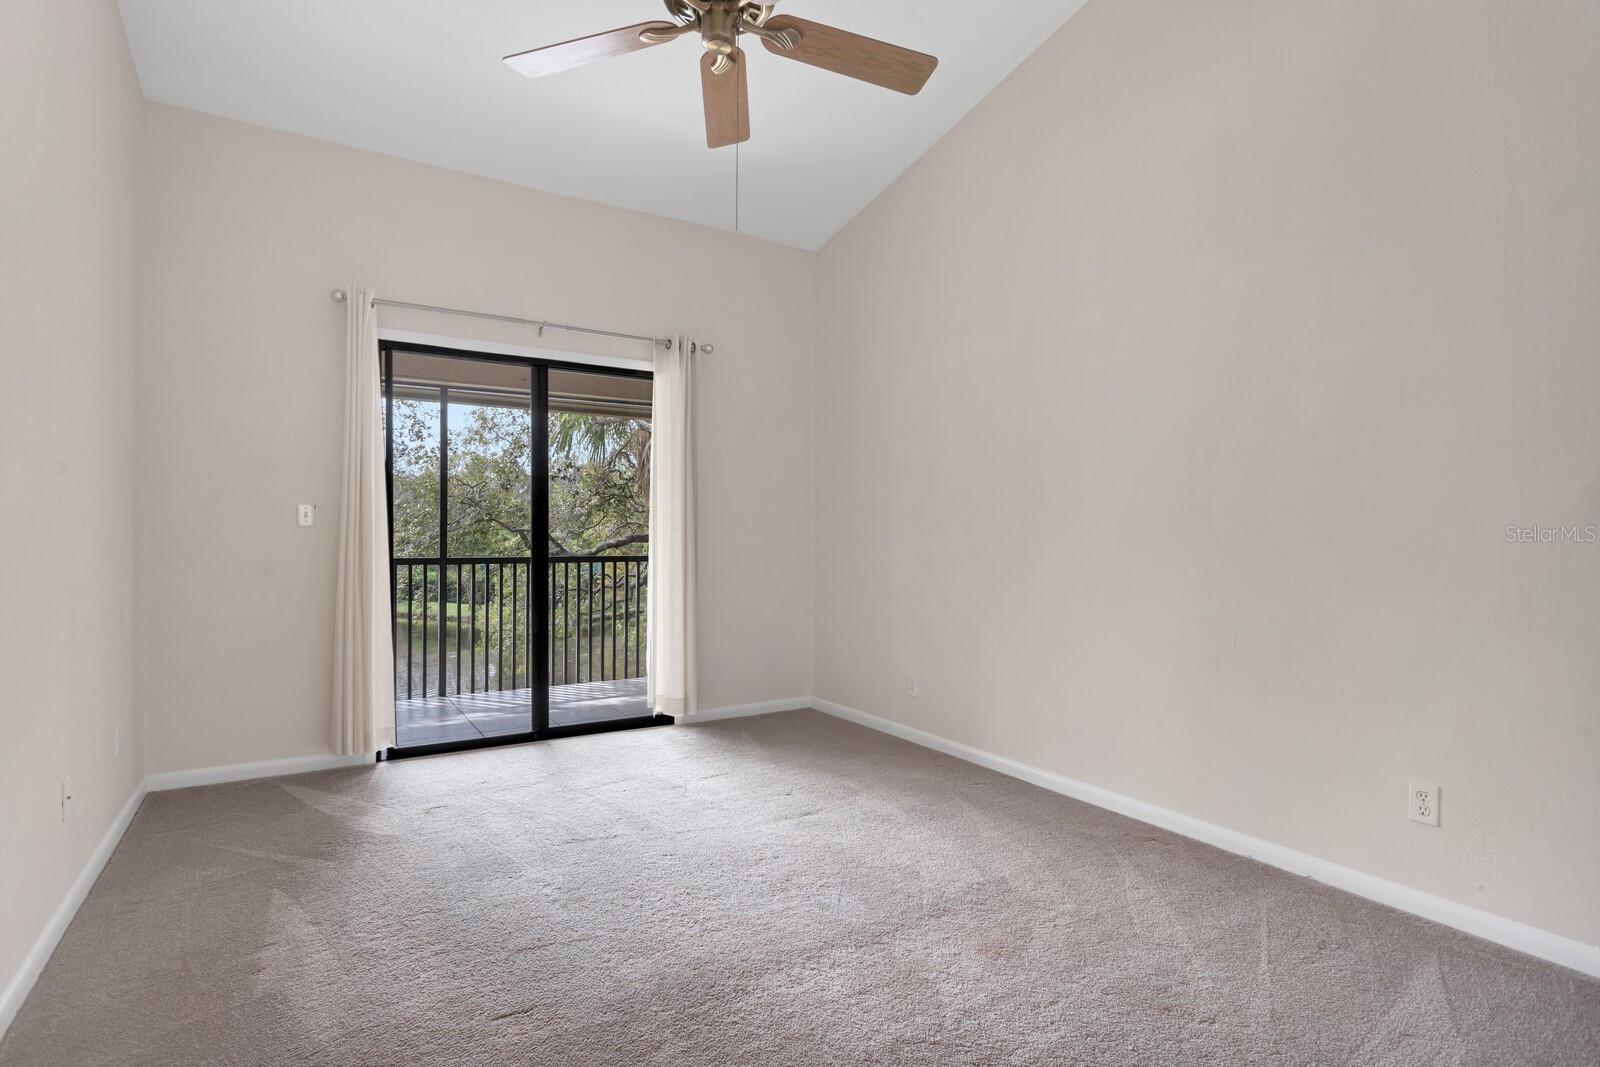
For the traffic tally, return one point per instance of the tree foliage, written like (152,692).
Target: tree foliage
(599,482)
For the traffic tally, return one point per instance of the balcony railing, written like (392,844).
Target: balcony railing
(463,626)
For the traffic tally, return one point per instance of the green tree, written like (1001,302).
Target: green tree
(599,482)
(416,479)
(491,475)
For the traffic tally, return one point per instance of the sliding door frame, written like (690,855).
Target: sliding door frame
(539,563)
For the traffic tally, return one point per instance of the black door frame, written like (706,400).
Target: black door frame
(539,563)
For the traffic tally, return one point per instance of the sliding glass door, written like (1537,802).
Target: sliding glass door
(599,516)
(519,525)
(462,445)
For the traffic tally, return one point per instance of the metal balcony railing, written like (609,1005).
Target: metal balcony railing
(463,625)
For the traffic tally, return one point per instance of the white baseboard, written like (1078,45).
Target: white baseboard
(32,965)
(739,711)
(243,772)
(1508,932)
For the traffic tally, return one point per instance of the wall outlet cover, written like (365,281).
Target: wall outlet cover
(1422,803)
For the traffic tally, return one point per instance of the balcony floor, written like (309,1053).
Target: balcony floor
(475,716)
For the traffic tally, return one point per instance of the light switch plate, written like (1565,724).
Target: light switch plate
(307,514)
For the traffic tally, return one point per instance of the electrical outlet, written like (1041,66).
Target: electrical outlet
(66,798)
(911,685)
(1422,803)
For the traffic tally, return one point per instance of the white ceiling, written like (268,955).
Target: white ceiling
(423,80)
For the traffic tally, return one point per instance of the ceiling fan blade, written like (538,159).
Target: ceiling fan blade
(727,100)
(555,58)
(852,55)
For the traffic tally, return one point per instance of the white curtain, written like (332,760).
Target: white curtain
(363,657)
(670,659)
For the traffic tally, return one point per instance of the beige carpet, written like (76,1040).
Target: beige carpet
(785,890)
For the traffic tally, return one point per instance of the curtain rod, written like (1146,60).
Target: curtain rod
(339,297)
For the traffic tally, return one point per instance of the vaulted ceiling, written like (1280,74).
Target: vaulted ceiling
(423,80)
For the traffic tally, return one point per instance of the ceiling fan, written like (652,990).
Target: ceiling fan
(720,24)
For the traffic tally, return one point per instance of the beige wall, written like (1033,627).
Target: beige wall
(241,385)
(69,142)
(1172,409)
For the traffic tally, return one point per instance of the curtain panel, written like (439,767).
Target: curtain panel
(363,655)
(670,658)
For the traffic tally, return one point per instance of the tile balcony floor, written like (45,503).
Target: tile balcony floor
(436,720)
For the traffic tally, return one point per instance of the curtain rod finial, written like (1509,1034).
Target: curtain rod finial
(339,296)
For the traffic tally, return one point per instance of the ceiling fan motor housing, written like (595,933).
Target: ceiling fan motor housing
(719,27)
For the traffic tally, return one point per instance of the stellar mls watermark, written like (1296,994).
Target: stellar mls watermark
(1552,535)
